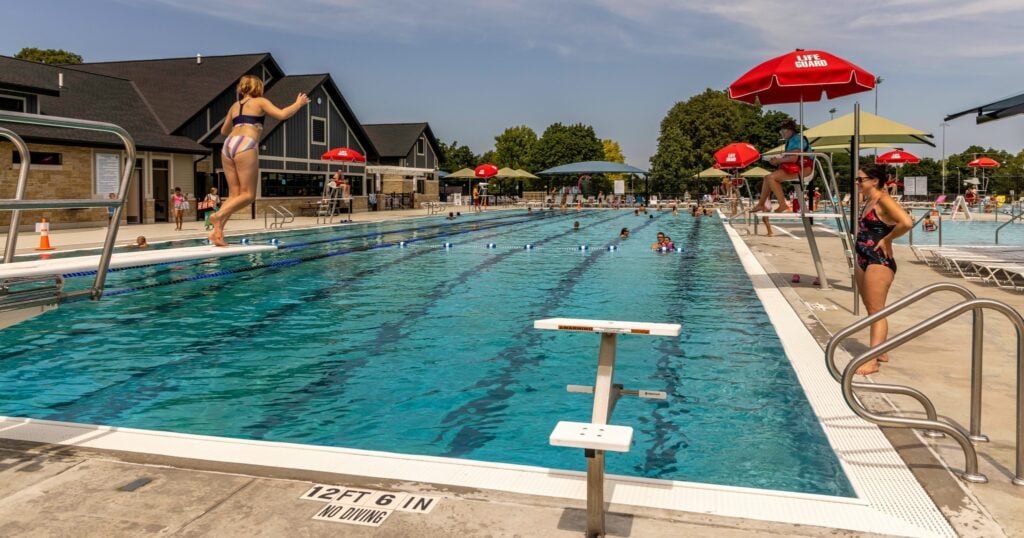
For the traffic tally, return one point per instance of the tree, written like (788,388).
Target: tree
(48,56)
(612,151)
(486,157)
(455,157)
(513,147)
(694,129)
(564,144)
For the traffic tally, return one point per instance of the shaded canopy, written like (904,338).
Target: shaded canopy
(873,130)
(523,174)
(592,167)
(712,173)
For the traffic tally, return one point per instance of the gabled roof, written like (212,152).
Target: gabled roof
(1003,108)
(179,88)
(101,98)
(282,93)
(397,139)
(29,77)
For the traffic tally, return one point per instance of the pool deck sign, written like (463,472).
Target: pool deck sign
(366,507)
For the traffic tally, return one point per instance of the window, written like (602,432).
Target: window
(40,157)
(281,184)
(421,186)
(356,183)
(318,129)
(420,146)
(11,103)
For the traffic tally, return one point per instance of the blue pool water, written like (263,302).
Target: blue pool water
(343,338)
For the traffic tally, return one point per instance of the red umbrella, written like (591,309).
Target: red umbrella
(485,171)
(983,162)
(898,157)
(736,155)
(801,75)
(344,154)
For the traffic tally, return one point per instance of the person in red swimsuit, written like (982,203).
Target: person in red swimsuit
(882,220)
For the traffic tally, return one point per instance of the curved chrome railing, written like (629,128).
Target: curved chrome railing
(26,159)
(970,473)
(1007,223)
(18,203)
(977,335)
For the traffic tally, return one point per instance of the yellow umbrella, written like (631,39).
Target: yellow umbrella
(465,173)
(755,172)
(873,130)
(712,173)
(832,148)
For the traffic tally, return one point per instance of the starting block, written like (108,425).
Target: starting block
(593,436)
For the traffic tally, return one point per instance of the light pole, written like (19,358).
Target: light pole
(832,113)
(944,125)
(878,82)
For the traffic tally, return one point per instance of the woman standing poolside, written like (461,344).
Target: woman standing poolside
(881,221)
(242,127)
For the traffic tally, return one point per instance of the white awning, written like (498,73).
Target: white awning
(401,171)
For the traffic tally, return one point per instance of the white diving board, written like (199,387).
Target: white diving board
(122,260)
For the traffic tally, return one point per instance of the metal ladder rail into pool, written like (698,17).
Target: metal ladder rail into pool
(597,436)
(1007,223)
(281,217)
(18,203)
(976,355)
(970,473)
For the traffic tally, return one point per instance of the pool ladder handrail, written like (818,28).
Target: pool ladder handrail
(18,203)
(281,217)
(933,424)
(1007,223)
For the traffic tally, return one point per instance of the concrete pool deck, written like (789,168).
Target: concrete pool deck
(199,497)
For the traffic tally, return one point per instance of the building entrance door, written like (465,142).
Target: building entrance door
(161,190)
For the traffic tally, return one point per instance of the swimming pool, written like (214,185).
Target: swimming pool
(344,338)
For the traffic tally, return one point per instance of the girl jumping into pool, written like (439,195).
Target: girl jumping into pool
(881,221)
(242,126)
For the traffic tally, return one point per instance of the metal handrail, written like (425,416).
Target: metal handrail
(118,204)
(1007,223)
(26,160)
(970,455)
(977,335)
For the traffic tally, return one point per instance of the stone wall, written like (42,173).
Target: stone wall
(72,179)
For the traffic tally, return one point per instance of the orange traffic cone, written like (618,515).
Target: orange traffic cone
(44,236)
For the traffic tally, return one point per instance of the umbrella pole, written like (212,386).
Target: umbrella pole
(854,198)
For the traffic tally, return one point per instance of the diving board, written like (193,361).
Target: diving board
(64,266)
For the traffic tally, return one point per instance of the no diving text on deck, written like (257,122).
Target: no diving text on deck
(365,507)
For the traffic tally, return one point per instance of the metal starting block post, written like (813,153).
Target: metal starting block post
(597,436)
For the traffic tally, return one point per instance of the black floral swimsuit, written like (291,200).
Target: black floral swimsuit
(870,232)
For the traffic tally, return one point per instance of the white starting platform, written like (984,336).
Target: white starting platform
(597,436)
(798,216)
(64,266)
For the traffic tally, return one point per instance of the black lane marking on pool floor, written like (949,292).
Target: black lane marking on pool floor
(208,347)
(337,377)
(470,419)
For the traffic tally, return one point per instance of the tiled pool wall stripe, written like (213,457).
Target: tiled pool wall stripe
(874,468)
(287,262)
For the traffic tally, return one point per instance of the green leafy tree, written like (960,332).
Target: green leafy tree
(612,151)
(694,129)
(455,157)
(48,56)
(564,144)
(488,157)
(513,147)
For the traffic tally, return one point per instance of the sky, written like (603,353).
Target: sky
(474,67)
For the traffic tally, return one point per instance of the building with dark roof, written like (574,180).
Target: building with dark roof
(408,159)
(174,108)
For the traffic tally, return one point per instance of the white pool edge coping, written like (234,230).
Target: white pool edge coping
(890,501)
